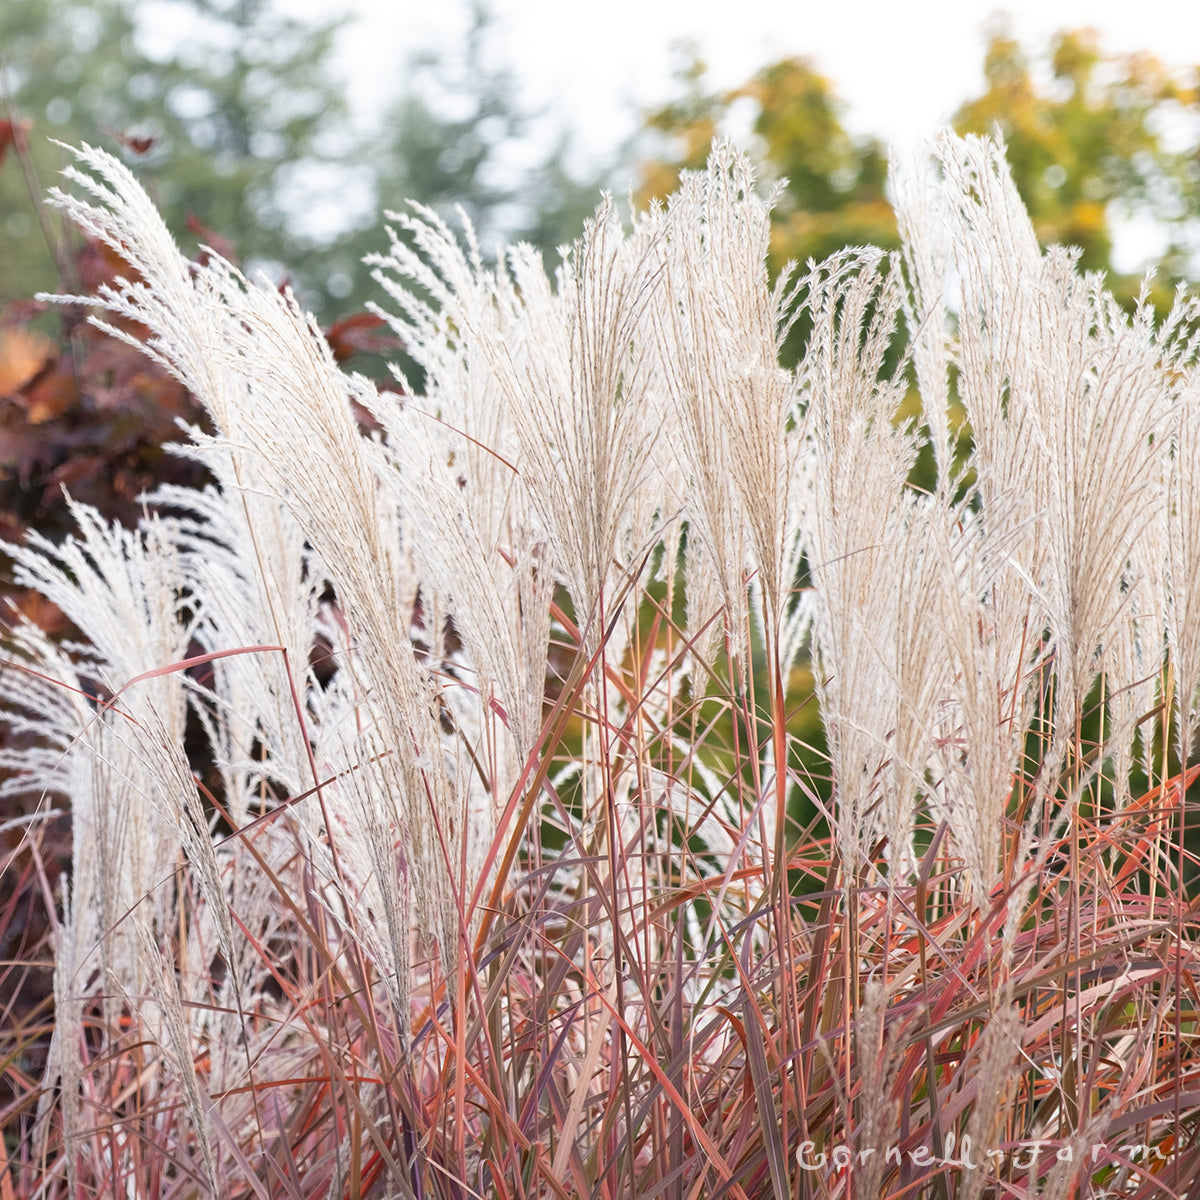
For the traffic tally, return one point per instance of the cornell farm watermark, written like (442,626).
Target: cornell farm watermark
(1027,1155)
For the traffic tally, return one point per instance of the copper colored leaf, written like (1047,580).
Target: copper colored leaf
(42,612)
(134,143)
(214,241)
(82,467)
(50,396)
(99,264)
(357,334)
(23,353)
(12,133)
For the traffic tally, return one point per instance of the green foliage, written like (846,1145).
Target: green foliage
(234,120)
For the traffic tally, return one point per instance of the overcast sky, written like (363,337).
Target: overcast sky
(901,65)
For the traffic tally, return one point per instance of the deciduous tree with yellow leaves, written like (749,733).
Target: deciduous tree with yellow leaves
(1094,140)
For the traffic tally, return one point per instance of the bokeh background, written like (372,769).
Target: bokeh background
(287,131)
(278,135)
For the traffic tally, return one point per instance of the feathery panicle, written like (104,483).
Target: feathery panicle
(920,673)
(573,368)
(475,539)
(1102,442)
(717,322)
(1182,539)
(1135,658)
(986,706)
(64,1065)
(996,257)
(877,1048)
(255,582)
(923,221)
(122,590)
(175,1039)
(1066,398)
(852,529)
(269,356)
(999,1068)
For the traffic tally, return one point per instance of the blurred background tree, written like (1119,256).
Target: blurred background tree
(1107,144)
(1109,140)
(224,112)
(458,138)
(220,120)
(834,194)
(234,117)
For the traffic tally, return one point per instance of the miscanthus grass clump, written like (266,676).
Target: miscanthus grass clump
(631,768)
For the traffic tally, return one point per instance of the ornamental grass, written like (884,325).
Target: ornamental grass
(618,765)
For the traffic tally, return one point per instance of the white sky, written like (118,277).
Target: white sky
(902,65)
